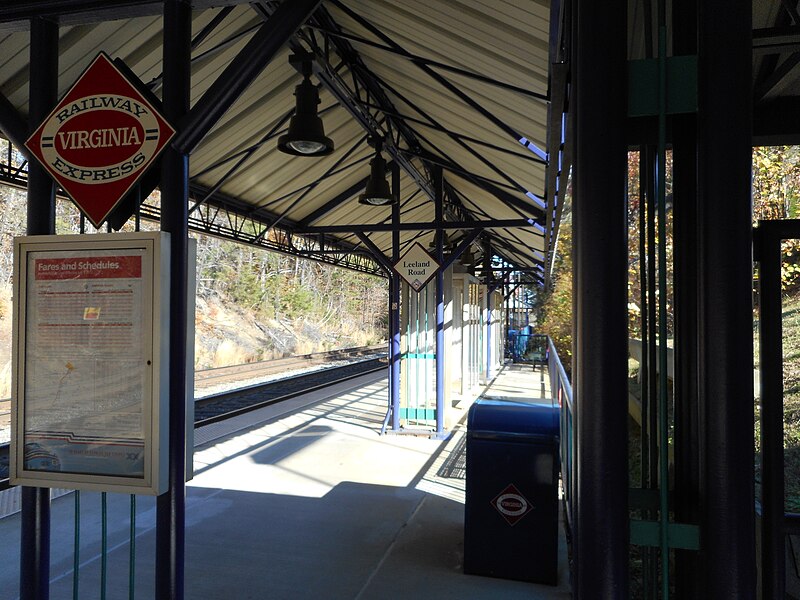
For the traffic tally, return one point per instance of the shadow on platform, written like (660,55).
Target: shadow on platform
(311,504)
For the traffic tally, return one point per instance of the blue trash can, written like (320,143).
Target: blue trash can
(511,506)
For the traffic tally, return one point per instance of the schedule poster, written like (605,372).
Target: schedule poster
(85,350)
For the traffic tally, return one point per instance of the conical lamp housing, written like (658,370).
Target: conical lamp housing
(378,192)
(306,134)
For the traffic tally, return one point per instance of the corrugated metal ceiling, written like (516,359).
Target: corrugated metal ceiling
(469,123)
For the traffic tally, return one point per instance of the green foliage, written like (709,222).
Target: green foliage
(269,285)
(776,191)
(277,286)
(643,262)
(776,182)
(243,287)
(297,301)
(555,313)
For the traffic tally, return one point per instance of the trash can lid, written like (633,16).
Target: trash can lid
(501,417)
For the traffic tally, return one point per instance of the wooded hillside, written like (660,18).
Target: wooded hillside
(251,304)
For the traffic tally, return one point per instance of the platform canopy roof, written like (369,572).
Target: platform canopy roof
(460,85)
(478,88)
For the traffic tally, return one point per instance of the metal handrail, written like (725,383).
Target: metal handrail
(561,388)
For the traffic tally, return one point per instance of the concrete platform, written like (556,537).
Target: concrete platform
(300,501)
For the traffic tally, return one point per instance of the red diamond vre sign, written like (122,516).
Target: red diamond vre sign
(100,139)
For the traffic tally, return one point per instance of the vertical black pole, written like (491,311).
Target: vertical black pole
(773,536)
(170,521)
(725,320)
(687,474)
(648,183)
(438,188)
(488,281)
(34,581)
(507,297)
(571,138)
(394,314)
(601,299)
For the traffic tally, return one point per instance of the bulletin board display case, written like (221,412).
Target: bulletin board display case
(90,362)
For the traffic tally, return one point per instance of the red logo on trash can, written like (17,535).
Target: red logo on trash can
(511,504)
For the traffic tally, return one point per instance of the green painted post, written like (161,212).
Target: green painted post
(104,545)
(132,555)
(76,551)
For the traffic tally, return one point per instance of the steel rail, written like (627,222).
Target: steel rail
(210,399)
(380,366)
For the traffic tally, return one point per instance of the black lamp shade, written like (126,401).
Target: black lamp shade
(467,258)
(447,244)
(378,192)
(306,135)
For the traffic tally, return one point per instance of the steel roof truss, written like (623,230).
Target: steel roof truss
(776,40)
(248,154)
(558,93)
(461,248)
(275,133)
(241,72)
(432,63)
(483,214)
(156,82)
(431,73)
(520,207)
(310,187)
(334,83)
(376,252)
(13,124)
(452,136)
(375,227)
(335,201)
(530,156)
(777,76)
(484,183)
(245,229)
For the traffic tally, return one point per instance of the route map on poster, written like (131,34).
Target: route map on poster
(84,355)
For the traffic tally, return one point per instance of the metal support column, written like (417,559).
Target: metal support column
(34,581)
(773,517)
(600,257)
(438,190)
(687,475)
(170,515)
(725,319)
(507,287)
(488,280)
(394,309)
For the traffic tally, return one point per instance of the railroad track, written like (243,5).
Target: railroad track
(220,406)
(219,376)
(235,402)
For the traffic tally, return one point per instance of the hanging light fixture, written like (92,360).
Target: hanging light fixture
(378,192)
(468,257)
(306,135)
(447,244)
